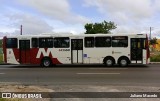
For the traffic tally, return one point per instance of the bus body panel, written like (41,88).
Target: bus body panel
(76,53)
(96,55)
(63,55)
(144,56)
(12,56)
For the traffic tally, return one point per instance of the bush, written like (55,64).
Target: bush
(1,50)
(1,58)
(1,55)
(155,58)
(0,43)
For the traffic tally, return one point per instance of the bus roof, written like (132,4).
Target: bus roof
(72,35)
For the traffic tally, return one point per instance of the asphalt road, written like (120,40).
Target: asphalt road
(84,78)
(133,75)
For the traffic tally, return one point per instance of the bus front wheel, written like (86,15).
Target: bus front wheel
(46,62)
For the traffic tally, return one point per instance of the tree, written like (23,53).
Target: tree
(153,42)
(104,27)
(0,43)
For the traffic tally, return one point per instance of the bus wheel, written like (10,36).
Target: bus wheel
(109,62)
(46,62)
(123,62)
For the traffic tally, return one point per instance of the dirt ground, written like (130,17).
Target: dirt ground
(22,88)
(78,88)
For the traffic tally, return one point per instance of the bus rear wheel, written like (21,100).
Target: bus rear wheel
(46,62)
(109,62)
(123,62)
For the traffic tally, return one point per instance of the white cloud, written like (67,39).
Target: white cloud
(33,15)
(31,24)
(2,34)
(123,10)
(41,16)
(131,16)
(76,29)
(157,5)
(55,9)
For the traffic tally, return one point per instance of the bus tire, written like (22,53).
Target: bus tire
(109,61)
(123,62)
(46,62)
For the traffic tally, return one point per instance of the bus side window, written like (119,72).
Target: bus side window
(89,41)
(49,42)
(103,42)
(11,43)
(61,42)
(45,42)
(34,42)
(119,41)
(42,42)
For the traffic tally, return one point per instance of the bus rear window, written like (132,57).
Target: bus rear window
(11,43)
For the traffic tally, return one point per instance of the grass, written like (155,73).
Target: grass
(1,55)
(10,99)
(2,99)
(155,58)
(1,58)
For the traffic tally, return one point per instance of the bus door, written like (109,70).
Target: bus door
(137,46)
(77,51)
(24,48)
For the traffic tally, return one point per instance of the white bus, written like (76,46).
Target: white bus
(46,50)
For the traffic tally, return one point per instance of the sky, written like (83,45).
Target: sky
(70,16)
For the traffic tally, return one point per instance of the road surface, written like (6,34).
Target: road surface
(133,75)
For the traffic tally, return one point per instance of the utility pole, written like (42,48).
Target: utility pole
(21,30)
(150,34)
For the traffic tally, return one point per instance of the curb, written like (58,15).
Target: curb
(5,64)
(154,63)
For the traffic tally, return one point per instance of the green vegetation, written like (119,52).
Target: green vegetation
(155,58)
(1,55)
(2,99)
(1,58)
(103,27)
(0,43)
(153,41)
